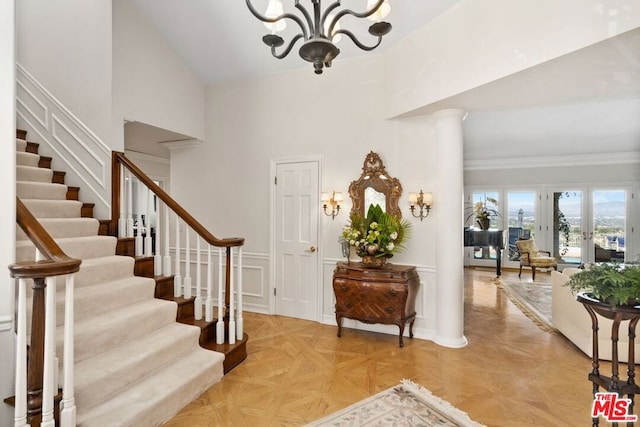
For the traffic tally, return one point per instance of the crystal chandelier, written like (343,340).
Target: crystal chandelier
(321,30)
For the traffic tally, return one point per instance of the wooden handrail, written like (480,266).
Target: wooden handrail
(56,263)
(120,158)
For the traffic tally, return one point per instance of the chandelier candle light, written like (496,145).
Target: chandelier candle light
(321,30)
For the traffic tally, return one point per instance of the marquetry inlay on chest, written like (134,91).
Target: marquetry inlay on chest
(376,295)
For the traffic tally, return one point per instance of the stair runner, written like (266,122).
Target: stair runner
(134,364)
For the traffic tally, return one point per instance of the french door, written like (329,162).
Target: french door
(577,224)
(589,224)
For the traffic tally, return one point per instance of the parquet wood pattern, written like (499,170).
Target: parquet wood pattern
(510,374)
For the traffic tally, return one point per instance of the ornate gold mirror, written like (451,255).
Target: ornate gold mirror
(375,186)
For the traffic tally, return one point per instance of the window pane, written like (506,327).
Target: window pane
(521,218)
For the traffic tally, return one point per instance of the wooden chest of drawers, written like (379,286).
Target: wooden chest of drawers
(376,295)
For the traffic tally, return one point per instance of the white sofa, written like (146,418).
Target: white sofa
(572,320)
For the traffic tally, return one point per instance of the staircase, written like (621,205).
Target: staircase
(135,365)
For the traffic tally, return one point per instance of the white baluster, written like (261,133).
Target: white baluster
(49,387)
(122,220)
(239,319)
(157,259)
(68,404)
(220,323)
(208,316)
(177,279)
(129,204)
(147,240)
(197,312)
(232,318)
(187,264)
(167,254)
(20,411)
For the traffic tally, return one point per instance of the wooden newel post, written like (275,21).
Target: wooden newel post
(36,350)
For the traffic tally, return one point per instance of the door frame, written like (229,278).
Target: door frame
(274,163)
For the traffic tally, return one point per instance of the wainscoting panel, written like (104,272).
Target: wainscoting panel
(255,278)
(61,135)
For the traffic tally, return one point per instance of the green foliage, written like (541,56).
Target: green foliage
(614,283)
(378,232)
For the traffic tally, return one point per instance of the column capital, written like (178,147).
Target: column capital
(456,113)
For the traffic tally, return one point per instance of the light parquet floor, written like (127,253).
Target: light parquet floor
(510,374)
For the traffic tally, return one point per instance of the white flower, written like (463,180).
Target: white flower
(373,225)
(352,242)
(390,246)
(393,236)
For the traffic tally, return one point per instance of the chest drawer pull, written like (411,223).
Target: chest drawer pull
(393,293)
(344,287)
(348,304)
(390,310)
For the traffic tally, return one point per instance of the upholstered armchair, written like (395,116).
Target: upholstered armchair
(531,256)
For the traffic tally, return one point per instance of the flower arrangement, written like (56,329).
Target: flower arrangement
(482,211)
(379,234)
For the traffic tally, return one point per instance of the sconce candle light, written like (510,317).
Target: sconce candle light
(334,200)
(422,201)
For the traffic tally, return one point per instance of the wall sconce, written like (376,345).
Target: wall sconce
(421,200)
(334,200)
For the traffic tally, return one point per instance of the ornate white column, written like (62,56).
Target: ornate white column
(450,235)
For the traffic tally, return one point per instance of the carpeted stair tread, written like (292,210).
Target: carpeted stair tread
(100,298)
(108,330)
(75,247)
(41,190)
(27,159)
(30,173)
(54,208)
(66,227)
(152,401)
(21,144)
(101,377)
(103,269)
(97,270)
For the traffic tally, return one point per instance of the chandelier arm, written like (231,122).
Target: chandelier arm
(326,13)
(291,16)
(344,12)
(288,49)
(304,11)
(357,42)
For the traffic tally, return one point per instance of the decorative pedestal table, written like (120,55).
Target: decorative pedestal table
(376,295)
(613,383)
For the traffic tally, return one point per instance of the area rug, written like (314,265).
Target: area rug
(407,404)
(533,299)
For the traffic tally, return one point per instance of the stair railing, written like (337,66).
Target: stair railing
(36,385)
(230,249)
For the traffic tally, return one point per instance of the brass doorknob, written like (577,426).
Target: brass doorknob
(311,250)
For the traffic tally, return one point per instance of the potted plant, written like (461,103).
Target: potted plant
(377,236)
(482,211)
(614,284)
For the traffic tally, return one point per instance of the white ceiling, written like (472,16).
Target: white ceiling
(579,100)
(221,40)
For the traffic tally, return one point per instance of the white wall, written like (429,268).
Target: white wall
(493,39)
(8,201)
(66,46)
(338,116)
(151,84)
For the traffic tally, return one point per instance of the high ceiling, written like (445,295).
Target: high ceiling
(585,98)
(220,40)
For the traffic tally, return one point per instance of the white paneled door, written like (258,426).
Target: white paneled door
(296,263)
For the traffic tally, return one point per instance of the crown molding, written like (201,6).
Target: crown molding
(181,144)
(631,157)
